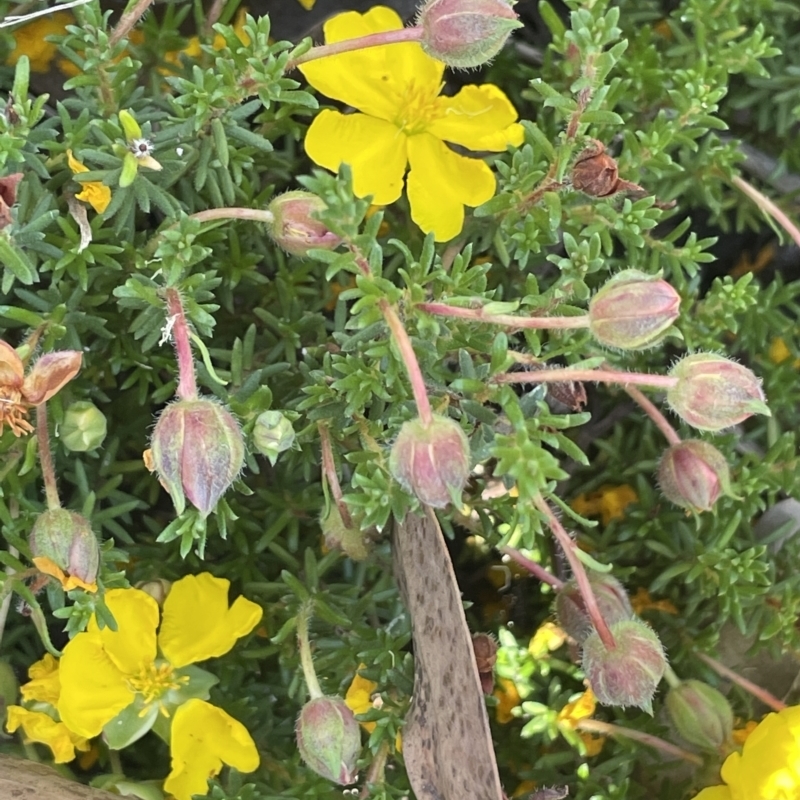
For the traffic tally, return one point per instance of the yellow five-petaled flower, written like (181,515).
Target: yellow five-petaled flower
(403,120)
(95,193)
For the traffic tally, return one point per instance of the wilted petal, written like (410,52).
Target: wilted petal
(39,727)
(49,375)
(11,368)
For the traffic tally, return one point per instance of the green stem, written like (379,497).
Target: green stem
(46,458)
(671,677)
(306,661)
(256,214)
(768,207)
(591,375)
(506,320)
(360,43)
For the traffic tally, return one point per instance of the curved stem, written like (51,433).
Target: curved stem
(537,570)
(187,383)
(768,207)
(306,661)
(767,698)
(329,471)
(128,20)
(46,458)
(234,212)
(590,375)
(578,570)
(506,320)
(360,43)
(655,414)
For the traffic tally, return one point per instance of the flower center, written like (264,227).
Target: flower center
(417,108)
(155,680)
(13,412)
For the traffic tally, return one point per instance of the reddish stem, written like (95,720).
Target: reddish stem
(187,383)
(329,470)
(581,578)
(359,43)
(767,698)
(595,375)
(768,207)
(507,320)
(655,414)
(537,570)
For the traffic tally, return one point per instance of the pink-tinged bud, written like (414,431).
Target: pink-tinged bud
(628,674)
(65,538)
(465,33)
(693,474)
(633,310)
(350,539)
(329,739)
(295,228)
(431,462)
(713,392)
(701,714)
(612,600)
(84,427)
(198,450)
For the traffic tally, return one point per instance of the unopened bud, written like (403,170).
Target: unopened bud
(158,589)
(432,461)
(466,33)
(611,597)
(84,427)
(350,539)
(198,450)
(627,674)
(65,538)
(273,433)
(693,474)
(633,310)
(701,714)
(294,226)
(329,739)
(713,392)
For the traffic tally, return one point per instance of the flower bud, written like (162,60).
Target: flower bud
(198,450)
(329,739)
(294,227)
(713,392)
(465,33)
(701,714)
(633,310)
(273,433)
(693,474)
(432,462)
(158,589)
(338,536)
(84,427)
(612,600)
(65,539)
(626,675)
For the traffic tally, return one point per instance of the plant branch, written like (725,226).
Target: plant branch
(128,19)
(506,320)
(767,698)
(332,478)
(187,383)
(590,375)
(46,458)
(652,411)
(768,207)
(537,570)
(306,661)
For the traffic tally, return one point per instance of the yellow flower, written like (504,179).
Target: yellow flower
(95,193)
(548,637)
(508,698)
(197,624)
(44,685)
(30,40)
(203,738)
(779,352)
(641,601)
(582,708)
(768,768)
(403,121)
(18,391)
(608,502)
(307,4)
(41,727)
(359,697)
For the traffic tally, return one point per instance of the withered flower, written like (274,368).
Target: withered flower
(20,392)
(596,173)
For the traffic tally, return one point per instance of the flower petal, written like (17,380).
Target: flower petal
(374,149)
(68,583)
(49,374)
(197,623)
(75,165)
(11,369)
(441,183)
(375,79)
(44,685)
(40,727)
(203,738)
(478,117)
(715,793)
(93,690)
(96,194)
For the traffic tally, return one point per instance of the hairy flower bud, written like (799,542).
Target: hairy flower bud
(273,433)
(701,714)
(612,600)
(432,462)
(65,539)
(294,227)
(633,310)
(198,450)
(84,427)
(693,474)
(466,33)
(329,739)
(713,392)
(627,674)
(350,539)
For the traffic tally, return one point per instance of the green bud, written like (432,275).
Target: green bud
(431,462)
(273,433)
(84,427)
(130,127)
(693,474)
(329,739)
(198,450)
(701,714)
(66,538)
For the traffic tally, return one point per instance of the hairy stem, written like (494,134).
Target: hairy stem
(128,19)
(329,471)
(306,661)
(359,43)
(506,320)
(767,698)
(537,570)
(655,414)
(187,383)
(46,458)
(590,375)
(768,207)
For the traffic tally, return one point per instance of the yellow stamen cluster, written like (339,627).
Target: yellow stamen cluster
(155,680)
(417,108)
(13,412)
